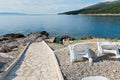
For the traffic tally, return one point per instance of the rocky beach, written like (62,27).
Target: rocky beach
(11,45)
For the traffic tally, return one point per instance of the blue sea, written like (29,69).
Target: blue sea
(76,26)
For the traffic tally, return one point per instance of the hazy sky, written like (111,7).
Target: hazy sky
(44,6)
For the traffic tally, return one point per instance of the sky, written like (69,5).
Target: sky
(44,6)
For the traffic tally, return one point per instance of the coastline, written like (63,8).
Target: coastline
(101,14)
(94,14)
(15,45)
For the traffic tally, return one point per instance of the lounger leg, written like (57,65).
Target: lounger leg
(71,55)
(90,60)
(117,53)
(99,50)
(72,58)
(89,56)
(99,53)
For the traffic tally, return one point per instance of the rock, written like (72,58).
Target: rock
(4,39)
(44,37)
(39,39)
(65,40)
(87,38)
(6,55)
(51,39)
(0,44)
(13,35)
(115,71)
(22,42)
(65,37)
(44,33)
(34,36)
(13,45)
(8,46)
(5,48)
(15,49)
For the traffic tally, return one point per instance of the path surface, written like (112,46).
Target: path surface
(36,64)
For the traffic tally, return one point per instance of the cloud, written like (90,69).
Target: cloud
(43,6)
(110,0)
(38,6)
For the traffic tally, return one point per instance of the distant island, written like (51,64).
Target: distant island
(17,13)
(12,13)
(103,8)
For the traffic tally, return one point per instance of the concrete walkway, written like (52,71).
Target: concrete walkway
(36,64)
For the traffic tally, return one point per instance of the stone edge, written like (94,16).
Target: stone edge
(5,73)
(60,76)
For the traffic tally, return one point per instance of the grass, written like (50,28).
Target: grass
(97,40)
(90,40)
(54,43)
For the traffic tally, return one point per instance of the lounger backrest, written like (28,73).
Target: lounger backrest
(81,47)
(106,45)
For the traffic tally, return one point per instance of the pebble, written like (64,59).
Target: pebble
(104,66)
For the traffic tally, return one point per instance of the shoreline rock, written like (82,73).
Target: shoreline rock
(65,37)
(88,37)
(13,43)
(13,35)
(15,40)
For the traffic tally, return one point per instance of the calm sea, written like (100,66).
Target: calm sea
(74,25)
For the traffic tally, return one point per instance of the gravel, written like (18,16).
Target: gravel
(106,65)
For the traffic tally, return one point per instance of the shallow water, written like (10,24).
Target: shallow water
(74,25)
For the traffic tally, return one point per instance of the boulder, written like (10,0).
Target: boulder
(65,37)
(13,35)
(4,39)
(13,45)
(34,36)
(39,39)
(22,42)
(44,37)
(44,33)
(51,39)
(5,48)
(8,46)
(87,38)
(65,40)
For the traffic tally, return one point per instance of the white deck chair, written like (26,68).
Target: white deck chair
(107,47)
(95,78)
(79,50)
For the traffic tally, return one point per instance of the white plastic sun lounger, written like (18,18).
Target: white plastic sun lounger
(79,50)
(95,78)
(108,47)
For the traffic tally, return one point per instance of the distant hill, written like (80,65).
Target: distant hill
(17,13)
(11,13)
(111,7)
